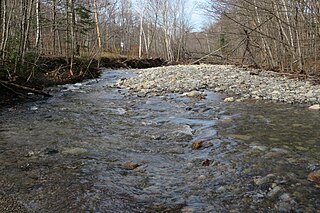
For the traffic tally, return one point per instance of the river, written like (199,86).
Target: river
(94,148)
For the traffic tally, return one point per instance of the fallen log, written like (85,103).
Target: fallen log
(206,56)
(24,88)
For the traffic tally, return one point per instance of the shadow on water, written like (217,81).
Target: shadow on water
(93,148)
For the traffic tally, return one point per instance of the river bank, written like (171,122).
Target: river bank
(51,71)
(238,83)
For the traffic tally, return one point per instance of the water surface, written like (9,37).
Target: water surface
(94,148)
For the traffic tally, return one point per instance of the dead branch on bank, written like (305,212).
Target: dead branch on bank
(206,56)
(24,88)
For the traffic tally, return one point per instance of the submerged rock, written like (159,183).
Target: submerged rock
(315,178)
(193,94)
(197,144)
(130,166)
(74,151)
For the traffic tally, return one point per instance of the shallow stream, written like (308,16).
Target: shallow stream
(94,148)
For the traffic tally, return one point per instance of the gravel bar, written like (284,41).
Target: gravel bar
(239,83)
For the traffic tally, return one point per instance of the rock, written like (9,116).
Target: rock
(50,151)
(264,180)
(267,85)
(74,151)
(241,137)
(315,107)
(286,203)
(221,189)
(274,192)
(315,178)
(130,166)
(202,177)
(34,108)
(30,154)
(206,162)
(192,94)
(196,145)
(187,210)
(230,99)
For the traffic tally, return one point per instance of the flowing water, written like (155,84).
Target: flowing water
(94,148)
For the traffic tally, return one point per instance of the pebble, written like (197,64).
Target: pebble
(274,192)
(230,99)
(188,79)
(193,94)
(315,107)
(74,151)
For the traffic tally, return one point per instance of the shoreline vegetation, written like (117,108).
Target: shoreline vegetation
(51,71)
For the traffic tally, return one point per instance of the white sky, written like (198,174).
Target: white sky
(197,14)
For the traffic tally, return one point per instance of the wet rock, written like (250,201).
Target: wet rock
(206,162)
(240,137)
(260,148)
(315,107)
(274,192)
(264,180)
(196,145)
(229,99)
(26,167)
(315,178)
(50,151)
(130,166)
(187,210)
(34,108)
(286,203)
(193,94)
(202,177)
(30,154)
(221,189)
(74,151)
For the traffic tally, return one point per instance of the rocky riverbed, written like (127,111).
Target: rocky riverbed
(240,84)
(91,147)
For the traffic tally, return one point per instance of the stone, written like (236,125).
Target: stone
(264,180)
(229,99)
(206,162)
(196,144)
(130,166)
(193,94)
(315,107)
(274,192)
(202,177)
(74,151)
(315,178)
(240,137)
(188,79)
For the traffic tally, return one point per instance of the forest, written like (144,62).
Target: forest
(280,35)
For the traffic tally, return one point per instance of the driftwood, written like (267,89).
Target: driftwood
(206,56)
(24,88)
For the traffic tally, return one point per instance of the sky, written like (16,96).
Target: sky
(198,18)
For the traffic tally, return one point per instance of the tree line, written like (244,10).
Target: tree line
(70,28)
(274,34)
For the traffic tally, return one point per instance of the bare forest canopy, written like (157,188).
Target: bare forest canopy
(144,28)
(276,34)
(76,32)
